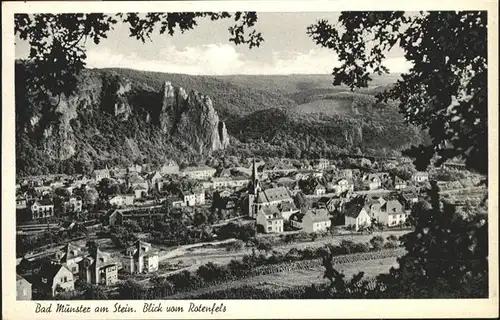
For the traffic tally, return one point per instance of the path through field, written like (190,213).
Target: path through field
(304,277)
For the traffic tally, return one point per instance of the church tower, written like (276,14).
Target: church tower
(253,190)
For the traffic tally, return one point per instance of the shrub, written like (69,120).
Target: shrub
(377,242)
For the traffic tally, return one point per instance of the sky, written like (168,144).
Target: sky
(206,50)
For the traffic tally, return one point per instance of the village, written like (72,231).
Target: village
(137,222)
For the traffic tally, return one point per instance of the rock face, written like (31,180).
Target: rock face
(193,118)
(108,114)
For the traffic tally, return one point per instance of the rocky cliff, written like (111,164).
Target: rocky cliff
(112,119)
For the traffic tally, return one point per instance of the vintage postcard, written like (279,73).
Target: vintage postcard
(249,159)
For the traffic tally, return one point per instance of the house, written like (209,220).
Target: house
(199,197)
(409,199)
(341,186)
(69,256)
(225,173)
(169,167)
(134,168)
(270,220)
(21,203)
(43,208)
(54,278)
(391,214)
(122,200)
(420,177)
(23,288)
(189,198)
(233,182)
(101,174)
(201,172)
(118,216)
(98,268)
(153,178)
(177,202)
(304,174)
(399,184)
(136,180)
(43,190)
(322,164)
(316,220)
(356,215)
(287,209)
(270,197)
(140,191)
(79,181)
(372,181)
(330,203)
(72,204)
(374,204)
(56,185)
(345,173)
(141,258)
(296,220)
(319,190)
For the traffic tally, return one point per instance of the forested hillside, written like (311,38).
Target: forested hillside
(120,116)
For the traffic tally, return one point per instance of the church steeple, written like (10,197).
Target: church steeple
(254,171)
(255,178)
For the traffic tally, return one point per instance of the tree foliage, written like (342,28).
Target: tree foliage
(444,92)
(57,41)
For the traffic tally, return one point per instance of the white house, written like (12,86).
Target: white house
(322,164)
(69,256)
(101,174)
(122,200)
(372,181)
(356,216)
(270,220)
(316,220)
(391,213)
(169,167)
(399,184)
(72,204)
(202,172)
(188,198)
(140,191)
(420,177)
(141,258)
(42,209)
(319,190)
(54,277)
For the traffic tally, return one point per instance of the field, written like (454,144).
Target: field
(304,277)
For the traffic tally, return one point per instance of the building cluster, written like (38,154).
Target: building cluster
(59,273)
(278,197)
(360,199)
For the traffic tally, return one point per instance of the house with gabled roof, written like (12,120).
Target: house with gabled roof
(270,219)
(170,167)
(140,258)
(356,215)
(42,208)
(69,256)
(319,189)
(153,178)
(399,184)
(55,277)
(391,213)
(122,200)
(98,268)
(315,220)
(140,191)
(98,175)
(23,288)
(372,181)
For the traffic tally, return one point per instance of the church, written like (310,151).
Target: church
(273,200)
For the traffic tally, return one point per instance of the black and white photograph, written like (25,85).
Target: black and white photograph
(251,155)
